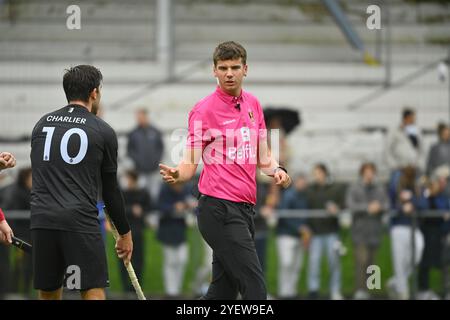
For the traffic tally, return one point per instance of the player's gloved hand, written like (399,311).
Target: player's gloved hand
(124,247)
(7,160)
(170,175)
(6,232)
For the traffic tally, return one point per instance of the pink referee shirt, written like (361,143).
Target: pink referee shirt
(228,130)
(2,216)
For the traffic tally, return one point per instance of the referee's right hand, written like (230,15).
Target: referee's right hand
(124,247)
(170,175)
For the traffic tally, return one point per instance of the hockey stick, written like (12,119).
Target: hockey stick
(133,278)
(19,243)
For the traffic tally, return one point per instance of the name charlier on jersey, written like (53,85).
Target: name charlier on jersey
(66,119)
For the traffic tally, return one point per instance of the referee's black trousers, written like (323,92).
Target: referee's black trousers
(229,230)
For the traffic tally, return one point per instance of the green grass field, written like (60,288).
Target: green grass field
(152,281)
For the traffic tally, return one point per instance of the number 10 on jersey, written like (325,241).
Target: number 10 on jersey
(63,148)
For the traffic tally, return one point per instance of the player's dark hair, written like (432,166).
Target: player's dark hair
(80,81)
(229,50)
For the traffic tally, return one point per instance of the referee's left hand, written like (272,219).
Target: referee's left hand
(169,175)
(282,179)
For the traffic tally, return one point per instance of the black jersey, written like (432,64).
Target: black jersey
(70,148)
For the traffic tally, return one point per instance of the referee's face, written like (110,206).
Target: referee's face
(230,74)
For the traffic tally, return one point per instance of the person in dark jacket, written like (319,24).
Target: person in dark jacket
(292,240)
(439,153)
(367,200)
(174,201)
(325,195)
(264,211)
(18,198)
(435,196)
(146,148)
(137,206)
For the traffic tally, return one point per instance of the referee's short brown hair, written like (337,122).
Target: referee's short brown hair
(229,50)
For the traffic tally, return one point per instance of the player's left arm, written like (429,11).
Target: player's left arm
(270,166)
(115,206)
(113,197)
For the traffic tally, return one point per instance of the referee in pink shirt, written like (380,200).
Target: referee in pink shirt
(227,131)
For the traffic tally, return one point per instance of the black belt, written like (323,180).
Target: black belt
(248,205)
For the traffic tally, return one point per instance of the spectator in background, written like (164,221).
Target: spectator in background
(203,272)
(404,148)
(18,198)
(137,206)
(367,200)
(5,182)
(174,201)
(146,148)
(266,202)
(406,203)
(446,252)
(439,153)
(326,195)
(435,196)
(202,278)
(269,193)
(284,150)
(290,233)
(436,231)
